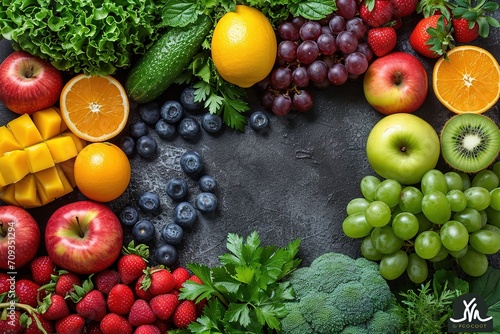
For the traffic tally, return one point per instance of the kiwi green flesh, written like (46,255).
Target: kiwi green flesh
(470,142)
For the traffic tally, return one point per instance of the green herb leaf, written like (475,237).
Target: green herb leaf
(488,287)
(315,9)
(179,13)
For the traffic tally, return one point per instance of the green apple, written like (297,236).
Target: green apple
(402,147)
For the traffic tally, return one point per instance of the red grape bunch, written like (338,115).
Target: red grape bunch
(320,53)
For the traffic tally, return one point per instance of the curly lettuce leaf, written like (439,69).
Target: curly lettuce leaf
(93,37)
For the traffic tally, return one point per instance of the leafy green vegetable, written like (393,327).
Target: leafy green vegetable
(93,37)
(488,287)
(427,309)
(245,293)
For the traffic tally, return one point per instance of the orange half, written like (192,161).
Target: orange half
(468,81)
(95,108)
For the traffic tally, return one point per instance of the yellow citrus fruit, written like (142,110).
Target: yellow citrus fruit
(468,81)
(102,171)
(95,108)
(244,46)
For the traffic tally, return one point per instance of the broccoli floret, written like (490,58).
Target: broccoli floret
(339,294)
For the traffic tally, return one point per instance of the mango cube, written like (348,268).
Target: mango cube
(68,168)
(64,180)
(14,166)
(25,130)
(7,141)
(2,181)
(8,194)
(49,183)
(79,142)
(25,192)
(39,157)
(62,148)
(48,122)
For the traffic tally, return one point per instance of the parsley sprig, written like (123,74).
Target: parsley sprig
(245,294)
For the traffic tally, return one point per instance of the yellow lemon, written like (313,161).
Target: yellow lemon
(244,46)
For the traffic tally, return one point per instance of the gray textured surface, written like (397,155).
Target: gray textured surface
(292,181)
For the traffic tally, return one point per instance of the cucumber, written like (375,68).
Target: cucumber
(161,64)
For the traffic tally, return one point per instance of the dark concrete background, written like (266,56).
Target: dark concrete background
(293,181)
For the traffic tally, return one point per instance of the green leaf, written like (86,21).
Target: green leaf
(315,9)
(267,315)
(239,313)
(244,274)
(488,287)
(179,13)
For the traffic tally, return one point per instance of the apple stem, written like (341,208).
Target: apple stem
(80,231)
(399,78)
(403,149)
(2,232)
(27,308)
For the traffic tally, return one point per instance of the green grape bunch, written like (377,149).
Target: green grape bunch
(447,215)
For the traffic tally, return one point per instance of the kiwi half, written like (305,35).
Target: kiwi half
(470,142)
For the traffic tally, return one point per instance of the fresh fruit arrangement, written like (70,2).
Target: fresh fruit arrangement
(133,130)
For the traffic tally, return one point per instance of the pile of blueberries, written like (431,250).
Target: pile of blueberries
(185,213)
(171,118)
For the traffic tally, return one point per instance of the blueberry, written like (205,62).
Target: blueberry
(143,231)
(185,215)
(127,144)
(211,123)
(138,129)
(165,130)
(172,233)
(207,183)
(177,188)
(166,255)
(146,146)
(128,216)
(206,202)
(171,111)
(191,163)
(149,202)
(259,120)
(187,99)
(189,128)
(150,112)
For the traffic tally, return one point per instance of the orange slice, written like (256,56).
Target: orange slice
(95,108)
(468,81)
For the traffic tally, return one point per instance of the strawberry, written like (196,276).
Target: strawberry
(53,307)
(163,326)
(120,299)
(133,262)
(90,302)
(5,281)
(402,8)
(382,40)
(163,306)
(184,314)
(464,31)
(158,281)
(32,326)
(11,324)
(195,279)
(147,329)
(65,283)
(141,290)
(180,274)
(27,292)
(141,313)
(71,324)
(106,279)
(431,37)
(42,269)
(115,324)
(376,12)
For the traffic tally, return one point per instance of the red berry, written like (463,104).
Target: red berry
(180,274)
(47,325)
(185,314)
(131,267)
(403,8)
(65,283)
(147,329)
(141,290)
(162,281)
(92,306)
(381,13)
(42,269)
(141,313)
(163,306)
(115,324)
(71,324)
(120,299)
(106,279)
(382,40)
(11,324)
(27,292)
(461,31)
(54,307)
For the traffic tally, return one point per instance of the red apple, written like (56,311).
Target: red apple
(83,237)
(396,82)
(28,83)
(19,237)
